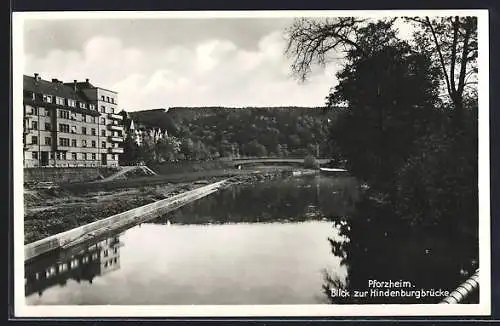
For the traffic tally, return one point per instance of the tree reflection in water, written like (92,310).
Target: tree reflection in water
(375,246)
(289,200)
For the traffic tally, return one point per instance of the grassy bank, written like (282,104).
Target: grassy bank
(160,179)
(51,211)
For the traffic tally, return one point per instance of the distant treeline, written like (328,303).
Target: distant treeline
(201,133)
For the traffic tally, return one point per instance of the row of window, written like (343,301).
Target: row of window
(37,111)
(66,142)
(66,101)
(63,267)
(74,263)
(111,109)
(93,132)
(74,156)
(82,105)
(110,262)
(64,114)
(107,99)
(47,98)
(66,128)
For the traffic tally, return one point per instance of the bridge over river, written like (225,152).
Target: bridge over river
(274,161)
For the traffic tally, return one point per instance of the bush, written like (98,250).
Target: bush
(310,162)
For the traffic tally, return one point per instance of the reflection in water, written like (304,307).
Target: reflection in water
(372,248)
(191,262)
(83,265)
(290,200)
(214,251)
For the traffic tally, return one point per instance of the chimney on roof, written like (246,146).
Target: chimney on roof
(74,84)
(87,80)
(55,80)
(36,76)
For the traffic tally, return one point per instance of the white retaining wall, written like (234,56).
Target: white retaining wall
(134,215)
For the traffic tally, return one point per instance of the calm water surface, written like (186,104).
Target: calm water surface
(265,243)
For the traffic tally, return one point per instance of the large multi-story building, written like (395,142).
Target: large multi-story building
(70,124)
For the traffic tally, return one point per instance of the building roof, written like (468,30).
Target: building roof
(55,88)
(85,84)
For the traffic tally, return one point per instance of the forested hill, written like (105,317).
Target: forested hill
(195,112)
(253,131)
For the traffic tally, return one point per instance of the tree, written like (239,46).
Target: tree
(200,151)
(227,129)
(309,41)
(130,151)
(281,150)
(310,162)
(225,148)
(269,138)
(147,150)
(391,93)
(294,141)
(312,149)
(254,148)
(169,147)
(187,148)
(452,42)
(418,154)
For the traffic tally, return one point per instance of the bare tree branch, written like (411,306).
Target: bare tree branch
(309,41)
(438,49)
(465,53)
(469,74)
(454,54)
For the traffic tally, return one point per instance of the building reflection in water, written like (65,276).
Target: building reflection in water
(81,265)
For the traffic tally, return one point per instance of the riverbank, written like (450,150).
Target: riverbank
(51,211)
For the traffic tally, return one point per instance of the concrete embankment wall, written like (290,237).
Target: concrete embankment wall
(130,217)
(64,175)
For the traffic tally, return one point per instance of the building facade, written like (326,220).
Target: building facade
(70,124)
(141,131)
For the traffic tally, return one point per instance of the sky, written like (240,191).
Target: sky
(161,63)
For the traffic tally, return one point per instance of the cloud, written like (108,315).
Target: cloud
(210,72)
(210,54)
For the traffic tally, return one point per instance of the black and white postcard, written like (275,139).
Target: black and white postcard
(251,163)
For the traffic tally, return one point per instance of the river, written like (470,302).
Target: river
(286,241)
(263,243)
